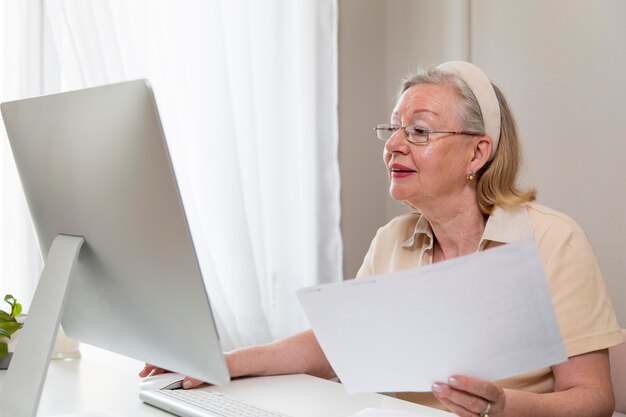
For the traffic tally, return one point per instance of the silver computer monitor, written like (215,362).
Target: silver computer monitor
(94,165)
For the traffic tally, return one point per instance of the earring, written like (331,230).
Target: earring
(470,176)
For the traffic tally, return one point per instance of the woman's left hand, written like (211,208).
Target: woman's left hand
(470,397)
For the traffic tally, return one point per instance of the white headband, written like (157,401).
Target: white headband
(480,85)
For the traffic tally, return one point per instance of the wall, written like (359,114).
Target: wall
(560,64)
(362,88)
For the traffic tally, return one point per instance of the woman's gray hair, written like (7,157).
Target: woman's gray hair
(469,113)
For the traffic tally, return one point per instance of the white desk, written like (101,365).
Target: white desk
(104,381)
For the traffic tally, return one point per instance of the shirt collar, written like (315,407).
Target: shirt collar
(507,225)
(504,225)
(422,227)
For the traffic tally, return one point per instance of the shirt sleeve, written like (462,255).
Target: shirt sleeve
(582,305)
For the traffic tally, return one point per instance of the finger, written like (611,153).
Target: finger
(471,403)
(485,389)
(146,370)
(456,409)
(158,371)
(150,370)
(189,383)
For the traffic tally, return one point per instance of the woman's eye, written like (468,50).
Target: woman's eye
(416,131)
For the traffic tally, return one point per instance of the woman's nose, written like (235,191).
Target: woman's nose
(397,142)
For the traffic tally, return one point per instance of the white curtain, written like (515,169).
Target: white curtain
(247,91)
(20,70)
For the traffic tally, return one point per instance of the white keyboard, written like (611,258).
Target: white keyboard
(202,403)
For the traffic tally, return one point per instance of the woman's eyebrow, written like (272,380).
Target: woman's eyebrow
(425,111)
(396,114)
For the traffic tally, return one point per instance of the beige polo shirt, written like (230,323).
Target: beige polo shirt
(583,308)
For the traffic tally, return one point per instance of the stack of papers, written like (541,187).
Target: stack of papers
(488,315)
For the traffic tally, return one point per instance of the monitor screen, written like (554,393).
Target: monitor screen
(94,163)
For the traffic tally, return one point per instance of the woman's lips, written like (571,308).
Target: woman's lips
(400,171)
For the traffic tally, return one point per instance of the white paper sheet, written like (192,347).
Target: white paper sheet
(488,315)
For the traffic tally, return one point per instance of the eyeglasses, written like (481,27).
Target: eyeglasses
(414,134)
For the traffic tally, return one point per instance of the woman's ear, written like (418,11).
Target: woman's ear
(481,151)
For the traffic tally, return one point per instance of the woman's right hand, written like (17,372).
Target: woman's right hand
(297,354)
(151,370)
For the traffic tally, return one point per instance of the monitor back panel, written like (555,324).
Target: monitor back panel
(95,163)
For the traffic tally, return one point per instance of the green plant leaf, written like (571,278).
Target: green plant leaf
(17,310)
(4,333)
(5,316)
(11,327)
(4,349)
(10,300)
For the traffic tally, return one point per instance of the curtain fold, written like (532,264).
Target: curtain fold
(247,92)
(20,76)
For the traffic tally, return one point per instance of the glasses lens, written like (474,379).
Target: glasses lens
(384,132)
(417,134)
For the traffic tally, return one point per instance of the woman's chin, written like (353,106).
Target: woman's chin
(400,193)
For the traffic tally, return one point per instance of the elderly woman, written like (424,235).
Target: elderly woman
(452,153)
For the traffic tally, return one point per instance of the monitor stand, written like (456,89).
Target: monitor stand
(23,383)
